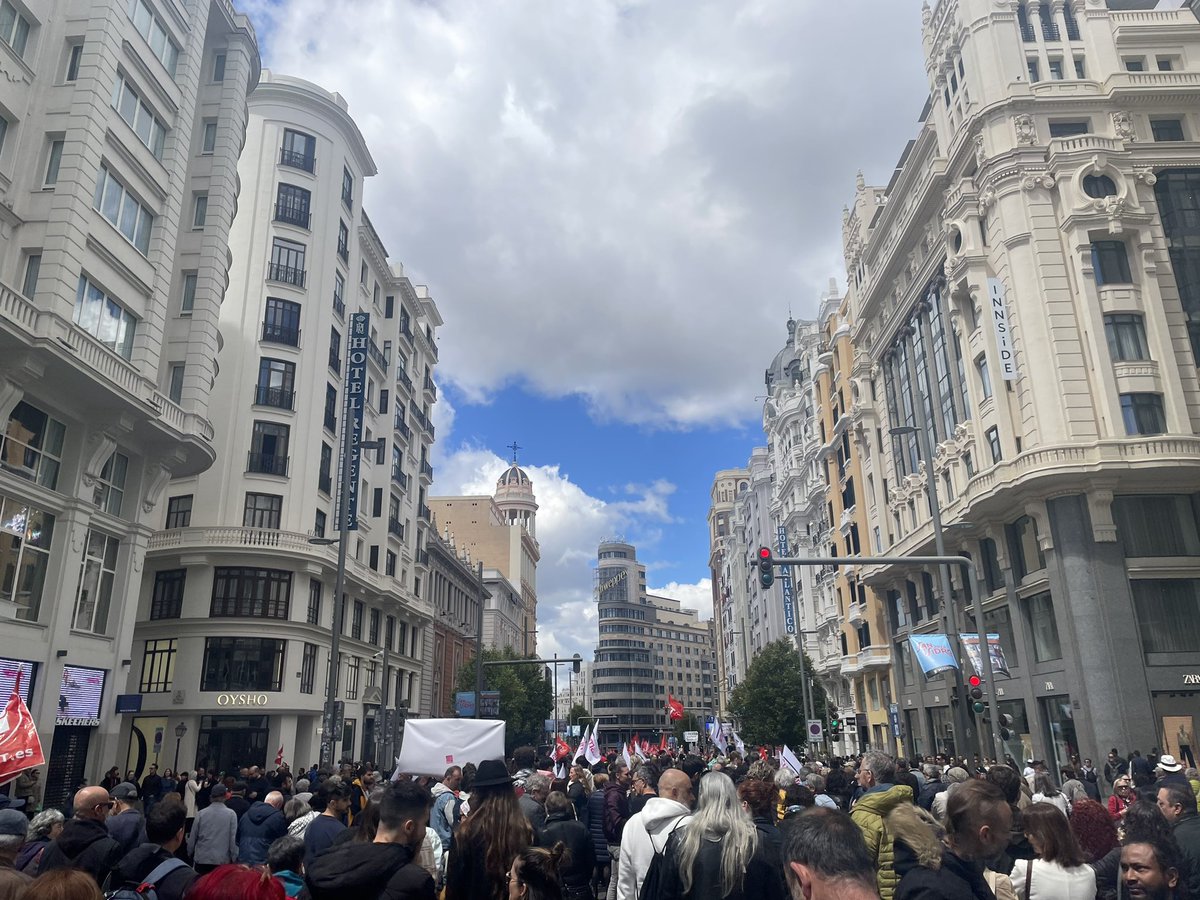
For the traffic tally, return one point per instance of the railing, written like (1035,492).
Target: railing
(406,331)
(292,215)
(339,306)
(401,426)
(423,557)
(423,511)
(274,396)
(402,378)
(396,527)
(400,478)
(325,484)
(335,361)
(375,354)
(281,334)
(296,160)
(285,274)
(1027,33)
(1050,28)
(430,387)
(426,469)
(343,250)
(267,463)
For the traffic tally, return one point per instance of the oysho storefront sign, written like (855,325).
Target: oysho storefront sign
(226,700)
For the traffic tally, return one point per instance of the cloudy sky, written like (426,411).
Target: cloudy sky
(615,204)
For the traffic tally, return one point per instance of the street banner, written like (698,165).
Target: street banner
(433,745)
(933,653)
(561,748)
(789,759)
(20,747)
(970,644)
(716,734)
(1002,330)
(785,583)
(279,756)
(739,744)
(357,342)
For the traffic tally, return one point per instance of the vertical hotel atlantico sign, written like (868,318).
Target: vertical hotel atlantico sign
(785,581)
(1003,328)
(356,387)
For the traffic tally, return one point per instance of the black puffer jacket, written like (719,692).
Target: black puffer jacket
(595,826)
(367,872)
(577,876)
(83,844)
(760,881)
(258,829)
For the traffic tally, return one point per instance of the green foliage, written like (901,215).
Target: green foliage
(526,699)
(578,711)
(689,722)
(769,703)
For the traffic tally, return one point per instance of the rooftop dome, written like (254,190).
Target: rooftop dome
(513,476)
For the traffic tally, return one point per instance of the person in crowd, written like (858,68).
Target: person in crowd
(1044,791)
(445,794)
(28,787)
(562,827)
(488,838)
(1169,771)
(1178,805)
(332,803)
(798,799)
(1193,780)
(758,800)
(1141,771)
(645,786)
(533,800)
(616,814)
(978,825)
(1152,870)
(595,824)
(1115,765)
(262,825)
(1143,822)
(155,862)
(151,788)
(385,867)
(285,862)
(43,828)
(257,785)
(63,884)
(212,841)
(170,784)
(1011,783)
(905,776)
(825,859)
(880,796)
(525,764)
(1122,796)
(952,776)
(821,796)
(298,813)
(718,855)
(933,785)
(126,822)
(1059,870)
(13,829)
(1091,779)
(237,799)
(84,842)
(1072,787)
(647,832)
(111,779)
(534,874)
(1094,830)
(235,882)
(579,788)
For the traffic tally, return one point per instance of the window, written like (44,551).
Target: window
(1158,525)
(319,523)
(314,602)
(54,162)
(242,664)
(3,132)
(188,301)
(287,262)
(155,32)
(123,210)
(1167,129)
(199,210)
(33,268)
(250,592)
(1080,69)
(1143,413)
(1165,63)
(299,150)
(25,535)
(1110,261)
(74,57)
(208,141)
(262,510)
(97,573)
(1168,620)
(339,294)
(390,564)
(362,275)
(14,28)
(343,241)
(373,627)
(292,205)
(109,490)
(175,385)
(276,383)
(353,667)
(347,188)
(1126,337)
(993,575)
(993,439)
(330,407)
(324,476)
(1069,129)
(1099,186)
(158,666)
(1055,67)
(985,378)
(1032,65)
(104,318)
(1135,64)
(139,116)
(335,345)
(308,668)
(269,448)
(1043,628)
(356,620)
(281,324)
(32,445)
(1024,551)
(179,512)
(219,67)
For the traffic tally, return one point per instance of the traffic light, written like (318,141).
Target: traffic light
(975,691)
(766,567)
(575,661)
(1006,723)
(835,726)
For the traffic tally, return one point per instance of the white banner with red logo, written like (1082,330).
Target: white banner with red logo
(20,746)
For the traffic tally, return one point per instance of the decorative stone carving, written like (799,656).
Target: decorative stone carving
(1146,177)
(1123,126)
(1024,127)
(980,151)
(1114,208)
(986,199)
(154,489)
(101,447)
(1034,180)
(1099,502)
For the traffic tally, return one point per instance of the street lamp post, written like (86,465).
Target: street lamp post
(180,731)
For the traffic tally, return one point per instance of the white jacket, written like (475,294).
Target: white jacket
(645,834)
(1051,881)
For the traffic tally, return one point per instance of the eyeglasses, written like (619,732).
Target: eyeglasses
(107,804)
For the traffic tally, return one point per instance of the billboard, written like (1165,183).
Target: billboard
(933,653)
(9,669)
(79,695)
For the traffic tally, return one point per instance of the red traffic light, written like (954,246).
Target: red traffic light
(764,552)
(974,681)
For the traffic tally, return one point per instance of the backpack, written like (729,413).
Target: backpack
(148,889)
(652,884)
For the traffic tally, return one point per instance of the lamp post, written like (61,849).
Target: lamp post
(180,731)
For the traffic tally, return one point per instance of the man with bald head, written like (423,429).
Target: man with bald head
(259,827)
(85,842)
(647,832)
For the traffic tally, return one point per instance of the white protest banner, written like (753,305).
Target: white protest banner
(433,745)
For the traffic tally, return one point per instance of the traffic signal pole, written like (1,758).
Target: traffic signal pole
(765,561)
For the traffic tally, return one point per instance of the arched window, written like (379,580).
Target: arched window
(1099,186)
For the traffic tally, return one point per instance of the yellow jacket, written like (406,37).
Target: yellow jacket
(869,814)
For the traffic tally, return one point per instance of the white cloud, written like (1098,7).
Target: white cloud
(696,596)
(613,199)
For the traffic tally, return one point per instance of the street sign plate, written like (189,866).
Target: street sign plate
(691,737)
(816,731)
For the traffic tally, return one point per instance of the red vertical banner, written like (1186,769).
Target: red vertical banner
(20,746)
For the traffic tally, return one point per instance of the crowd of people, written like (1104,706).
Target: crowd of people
(672,826)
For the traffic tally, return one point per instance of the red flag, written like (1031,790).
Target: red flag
(279,756)
(561,748)
(674,709)
(634,743)
(20,747)
(662,741)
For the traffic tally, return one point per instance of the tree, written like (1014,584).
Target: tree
(526,699)
(769,702)
(689,722)
(575,713)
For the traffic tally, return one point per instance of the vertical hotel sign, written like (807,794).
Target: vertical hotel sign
(1003,329)
(785,580)
(356,386)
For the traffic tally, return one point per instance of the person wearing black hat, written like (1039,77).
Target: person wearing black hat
(213,840)
(126,824)
(488,839)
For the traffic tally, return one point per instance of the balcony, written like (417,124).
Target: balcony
(402,378)
(402,427)
(406,330)
(331,421)
(396,528)
(427,470)
(875,657)
(339,307)
(376,355)
(285,274)
(343,250)
(274,396)
(423,557)
(423,511)
(430,388)
(325,484)
(267,464)
(292,215)
(335,361)
(280,334)
(400,478)
(296,160)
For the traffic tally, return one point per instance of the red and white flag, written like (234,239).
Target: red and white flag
(561,748)
(20,747)
(674,709)
(279,756)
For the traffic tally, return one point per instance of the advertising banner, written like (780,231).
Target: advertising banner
(356,391)
(933,653)
(971,648)
(785,581)
(20,747)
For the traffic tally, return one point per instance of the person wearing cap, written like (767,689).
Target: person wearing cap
(1169,771)
(127,825)
(84,842)
(953,776)
(213,841)
(13,827)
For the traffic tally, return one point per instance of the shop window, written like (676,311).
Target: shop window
(242,664)
(1158,525)
(1043,628)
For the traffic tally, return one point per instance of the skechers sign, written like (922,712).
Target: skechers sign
(356,386)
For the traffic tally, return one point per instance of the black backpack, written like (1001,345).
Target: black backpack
(148,889)
(652,884)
